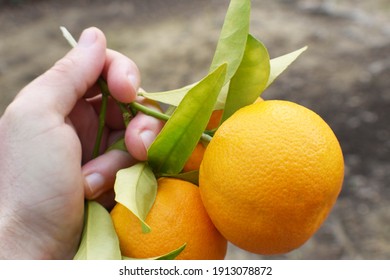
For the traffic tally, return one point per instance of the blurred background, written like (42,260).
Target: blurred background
(344,76)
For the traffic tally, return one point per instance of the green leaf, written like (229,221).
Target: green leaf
(99,240)
(136,188)
(190,176)
(179,136)
(250,79)
(230,49)
(279,64)
(118,145)
(232,40)
(169,256)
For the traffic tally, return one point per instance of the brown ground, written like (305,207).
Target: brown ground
(344,76)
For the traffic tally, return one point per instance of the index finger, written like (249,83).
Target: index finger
(122,76)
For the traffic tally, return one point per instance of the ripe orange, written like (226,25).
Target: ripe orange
(214,120)
(270,176)
(216,117)
(194,161)
(176,217)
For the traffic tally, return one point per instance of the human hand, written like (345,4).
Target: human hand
(46,139)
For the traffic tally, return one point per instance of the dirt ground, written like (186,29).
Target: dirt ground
(344,76)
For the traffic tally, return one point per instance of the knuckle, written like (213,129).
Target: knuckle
(64,65)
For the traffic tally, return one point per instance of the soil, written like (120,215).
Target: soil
(343,76)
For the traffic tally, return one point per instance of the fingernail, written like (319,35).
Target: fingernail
(147,137)
(134,81)
(87,38)
(95,182)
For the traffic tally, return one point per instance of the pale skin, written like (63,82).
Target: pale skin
(46,140)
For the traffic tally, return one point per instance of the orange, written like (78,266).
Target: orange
(216,117)
(214,120)
(194,161)
(270,176)
(176,217)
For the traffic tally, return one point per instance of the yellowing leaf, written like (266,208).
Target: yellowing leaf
(136,188)
(99,240)
(171,97)
(279,64)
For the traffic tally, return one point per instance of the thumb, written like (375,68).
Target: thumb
(61,86)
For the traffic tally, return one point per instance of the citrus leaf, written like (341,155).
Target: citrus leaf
(99,240)
(136,188)
(169,256)
(190,176)
(232,40)
(118,145)
(221,100)
(279,64)
(250,79)
(230,49)
(179,136)
(171,97)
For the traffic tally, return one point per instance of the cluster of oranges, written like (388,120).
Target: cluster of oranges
(267,180)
